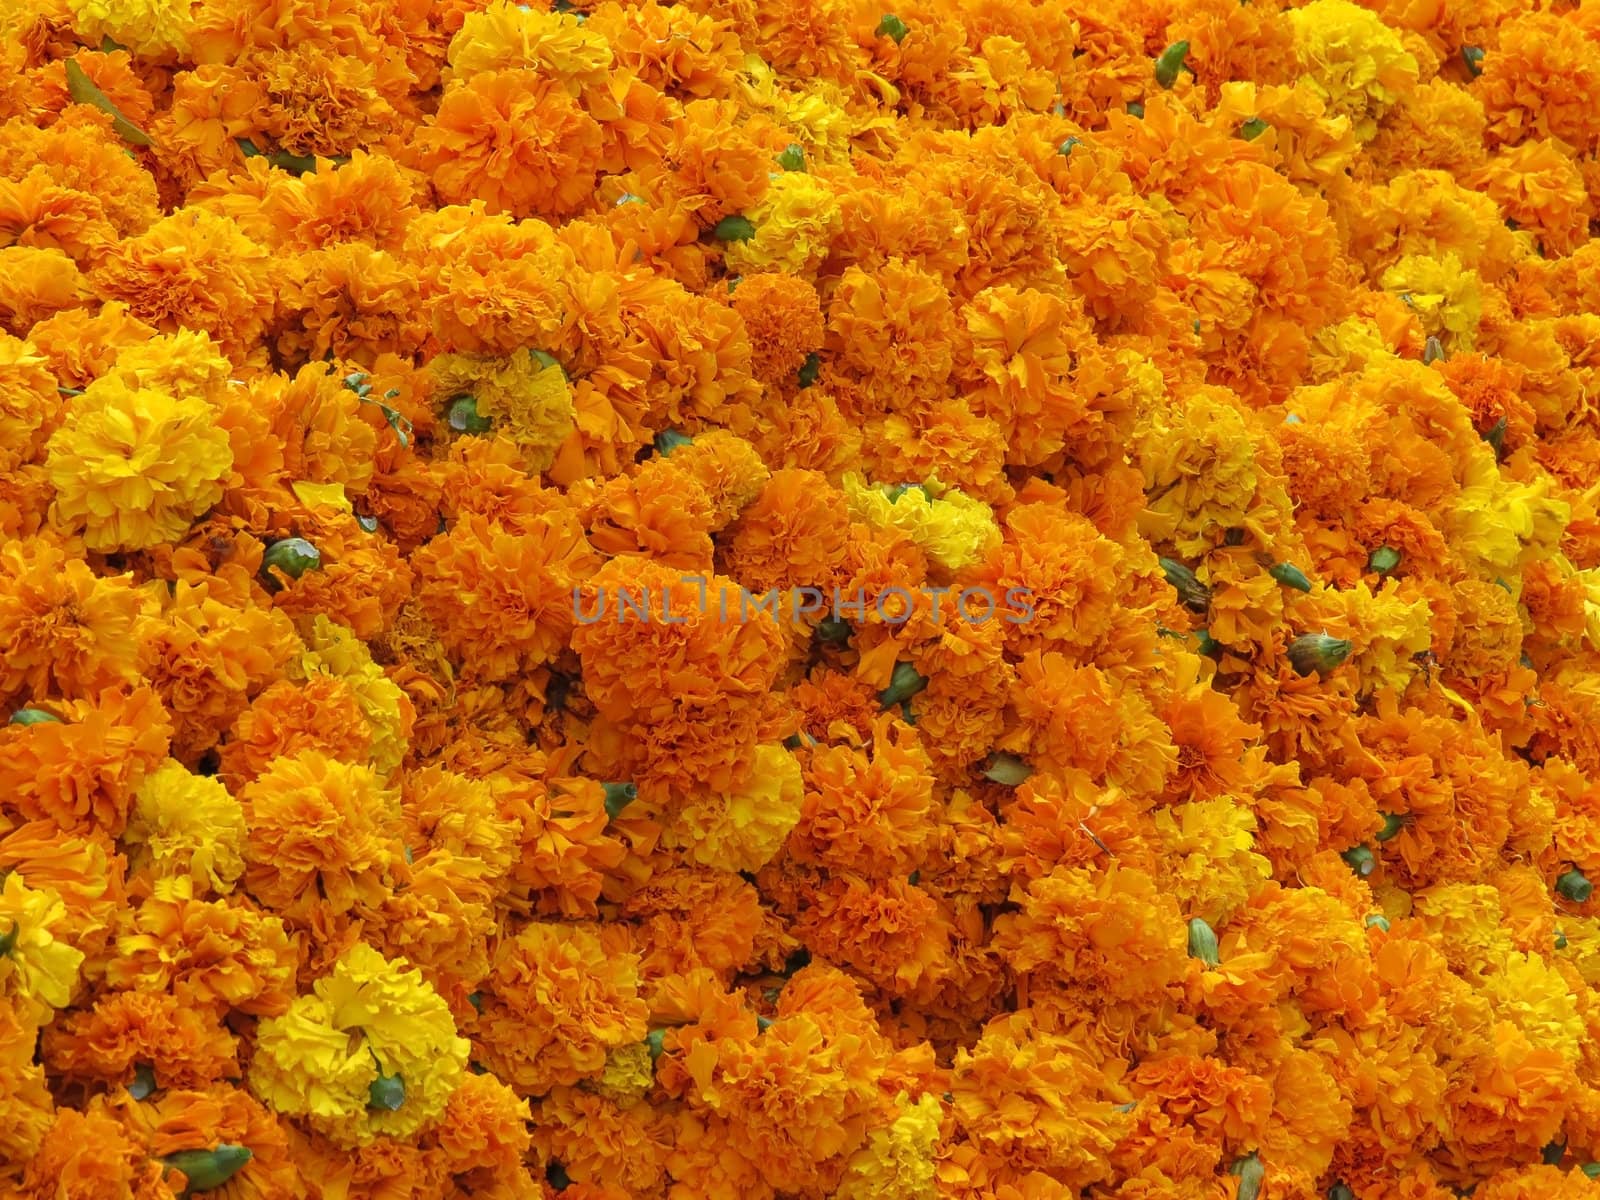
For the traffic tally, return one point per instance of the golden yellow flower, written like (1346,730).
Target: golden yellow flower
(37,971)
(525,398)
(133,467)
(794,223)
(190,826)
(742,830)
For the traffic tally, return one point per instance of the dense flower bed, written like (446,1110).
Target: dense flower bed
(773,598)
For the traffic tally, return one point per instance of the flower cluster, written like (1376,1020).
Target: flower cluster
(354,353)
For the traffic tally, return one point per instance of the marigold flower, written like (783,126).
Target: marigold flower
(190,826)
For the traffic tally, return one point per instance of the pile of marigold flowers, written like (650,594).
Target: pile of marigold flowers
(769,599)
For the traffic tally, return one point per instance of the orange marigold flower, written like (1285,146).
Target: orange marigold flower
(89,1155)
(515,140)
(193,270)
(503,602)
(80,773)
(783,317)
(321,714)
(323,835)
(185,1046)
(794,534)
(555,1003)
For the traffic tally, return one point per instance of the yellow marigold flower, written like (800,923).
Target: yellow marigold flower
(1496,525)
(1537,999)
(304,1066)
(628,1073)
(132,468)
(335,650)
(1355,63)
(795,222)
(897,1161)
(372,1052)
(185,364)
(954,529)
(1199,467)
(506,35)
(1445,295)
(36,970)
(528,400)
(146,27)
(742,830)
(190,826)
(1210,848)
(1467,922)
(28,398)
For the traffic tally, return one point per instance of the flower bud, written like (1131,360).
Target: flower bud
(1317,652)
(1383,560)
(833,631)
(464,417)
(1378,921)
(734,229)
(891,26)
(1170,63)
(618,797)
(656,1041)
(1136,109)
(387,1093)
(1195,595)
(809,370)
(1393,823)
(1290,576)
(1496,437)
(1251,1176)
(33,716)
(669,440)
(905,683)
(1574,885)
(1203,942)
(1361,860)
(8,939)
(209,1169)
(1007,769)
(1252,129)
(793,157)
(292,556)
(1473,57)
(144,1081)
(1432,351)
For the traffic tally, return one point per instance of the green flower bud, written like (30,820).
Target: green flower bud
(833,631)
(1007,769)
(891,26)
(1561,940)
(1432,351)
(1207,644)
(1317,652)
(1473,57)
(144,1081)
(387,1093)
(1553,1153)
(1195,595)
(1361,860)
(33,716)
(1383,560)
(1574,885)
(793,157)
(618,797)
(209,1169)
(1393,823)
(8,939)
(734,229)
(1496,437)
(669,440)
(1379,921)
(1136,109)
(370,524)
(1170,63)
(796,741)
(905,683)
(656,1041)
(1340,1192)
(1290,576)
(1252,129)
(1592,1170)
(810,370)
(1065,149)
(293,556)
(1203,942)
(463,416)
(1251,1176)
(763,1023)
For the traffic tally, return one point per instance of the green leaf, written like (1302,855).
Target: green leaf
(810,371)
(82,89)
(734,229)
(1473,57)
(669,440)
(8,939)
(1253,128)
(1135,109)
